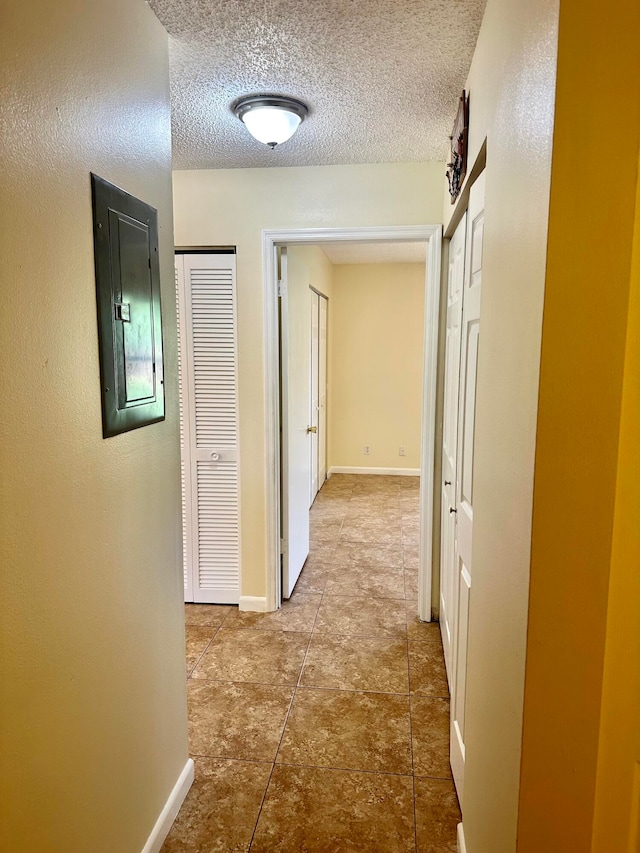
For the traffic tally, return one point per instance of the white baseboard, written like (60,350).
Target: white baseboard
(256,603)
(396,472)
(462,847)
(170,810)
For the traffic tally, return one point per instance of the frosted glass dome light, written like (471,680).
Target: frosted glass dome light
(271,119)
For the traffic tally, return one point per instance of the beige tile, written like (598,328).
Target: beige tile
(324,530)
(331,811)
(371,581)
(410,483)
(365,617)
(417,630)
(427,673)
(410,540)
(221,809)
(356,663)
(364,554)
(321,551)
(373,502)
(331,511)
(376,486)
(348,731)
(387,511)
(411,534)
(236,720)
(206,614)
(437,816)
(411,584)
(312,581)
(197,639)
(383,532)
(411,556)
(430,732)
(295,615)
(321,561)
(271,657)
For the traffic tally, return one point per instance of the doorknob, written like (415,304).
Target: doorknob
(451,509)
(215,457)
(312,429)
(447,482)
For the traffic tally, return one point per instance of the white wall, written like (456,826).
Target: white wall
(94,723)
(376,340)
(231,207)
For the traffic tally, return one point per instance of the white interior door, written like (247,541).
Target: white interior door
(296,403)
(315,392)
(323,304)
(470,338)
(448,573)
(208,339)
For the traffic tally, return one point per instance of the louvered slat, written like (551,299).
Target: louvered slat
(213,329)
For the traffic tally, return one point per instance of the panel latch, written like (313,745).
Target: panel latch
(123,311)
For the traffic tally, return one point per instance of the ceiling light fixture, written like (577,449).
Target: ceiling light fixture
(271,119)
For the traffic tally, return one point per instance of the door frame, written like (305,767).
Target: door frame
(271,240)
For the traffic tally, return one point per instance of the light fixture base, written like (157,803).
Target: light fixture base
(290,112)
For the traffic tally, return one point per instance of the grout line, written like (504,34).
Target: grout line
(413,772)
(194,667)
(352,690)
(348,770)
(286,720)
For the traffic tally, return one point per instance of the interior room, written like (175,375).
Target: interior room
(456,666)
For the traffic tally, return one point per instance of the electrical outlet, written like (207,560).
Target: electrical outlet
(367,450)
(402,450)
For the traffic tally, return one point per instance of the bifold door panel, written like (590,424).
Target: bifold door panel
(448,577)
(456,516)
(209,426)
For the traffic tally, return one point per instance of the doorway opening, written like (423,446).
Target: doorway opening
(286,447)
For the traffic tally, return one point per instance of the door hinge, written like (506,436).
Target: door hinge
(282,288)
(283,546)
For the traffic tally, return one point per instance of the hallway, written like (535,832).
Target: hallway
(325,726)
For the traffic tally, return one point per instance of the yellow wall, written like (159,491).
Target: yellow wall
(93,689)
(231,207)
(581,389)
(377,343)
(616,805)
(511,85)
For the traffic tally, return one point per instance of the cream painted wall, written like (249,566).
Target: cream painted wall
(231,207)
(511,84)
(94,727)
(376,338)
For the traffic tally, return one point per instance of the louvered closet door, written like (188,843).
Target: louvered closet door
(210,312)
(183,384)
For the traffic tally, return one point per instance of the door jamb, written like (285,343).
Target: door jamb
(271,239)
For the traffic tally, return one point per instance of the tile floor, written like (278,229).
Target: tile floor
(324,727)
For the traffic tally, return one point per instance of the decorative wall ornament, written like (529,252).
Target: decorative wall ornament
(457,168)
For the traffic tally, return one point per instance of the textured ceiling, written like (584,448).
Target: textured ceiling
(381,78)
(375,253)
